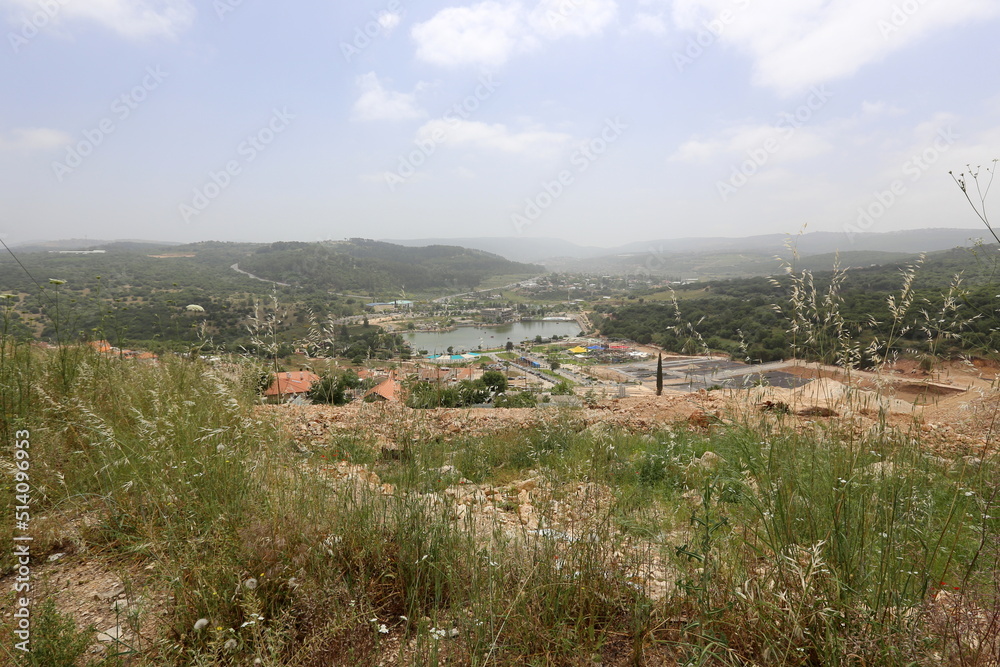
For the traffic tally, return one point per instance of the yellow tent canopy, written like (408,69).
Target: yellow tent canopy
(578,350)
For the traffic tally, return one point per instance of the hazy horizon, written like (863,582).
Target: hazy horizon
(599,122)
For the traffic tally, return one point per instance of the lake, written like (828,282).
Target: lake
(468,339)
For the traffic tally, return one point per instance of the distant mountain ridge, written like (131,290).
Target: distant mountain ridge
(553,252)
(90,244)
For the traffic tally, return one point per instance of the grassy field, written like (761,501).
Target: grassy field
(760,540)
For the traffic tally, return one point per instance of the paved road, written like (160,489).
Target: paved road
(441,299)
(236,268)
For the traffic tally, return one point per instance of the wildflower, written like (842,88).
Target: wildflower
(200,623)
(382,629)
(220,448)
(229,645)
(250,584)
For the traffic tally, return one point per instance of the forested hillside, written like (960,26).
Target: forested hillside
(950,293)
(138,294)
(372,266)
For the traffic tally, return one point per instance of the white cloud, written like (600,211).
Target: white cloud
(780,143)
(133,19)
(377,103)
(795,45)
(496,137)
(32,139)
(489,33)
(485,34)
(554,19)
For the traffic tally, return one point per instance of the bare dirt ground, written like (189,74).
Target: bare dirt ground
(118,599)
(955,406)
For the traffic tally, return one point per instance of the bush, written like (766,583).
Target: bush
(495,380)
(521,399)
(55,639)
(561,389)
(333,389)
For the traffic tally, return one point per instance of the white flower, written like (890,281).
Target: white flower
(220,448)
(229,645)
(200,623)
(384,630)
(250,584)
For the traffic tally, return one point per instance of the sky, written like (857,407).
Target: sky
(597,121)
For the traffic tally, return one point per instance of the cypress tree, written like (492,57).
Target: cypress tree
(659,374)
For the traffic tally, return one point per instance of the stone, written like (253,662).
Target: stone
(527,485)
(112,592)
(112,634)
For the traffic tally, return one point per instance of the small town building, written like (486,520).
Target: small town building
(289,384)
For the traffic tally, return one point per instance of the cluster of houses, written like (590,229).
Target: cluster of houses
(104,347)
(295,385)
(498,315)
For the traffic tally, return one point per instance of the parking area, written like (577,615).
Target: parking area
(695,373)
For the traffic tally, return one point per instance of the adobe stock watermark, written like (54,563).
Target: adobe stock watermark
(899,17)
(32,25)
(381,23)
(409,163)
(580,160)
(788,123)
(707,35)
(224,7)
(121,108)
(914,169)
(555,17)
(22,540)
(247,151)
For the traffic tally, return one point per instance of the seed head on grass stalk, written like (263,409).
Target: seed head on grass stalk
(882,351)
(982,190)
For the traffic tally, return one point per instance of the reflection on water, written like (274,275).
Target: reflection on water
(464,339)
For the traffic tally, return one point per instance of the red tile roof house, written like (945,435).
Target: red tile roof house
(289,384)
(438,375)
(387,390)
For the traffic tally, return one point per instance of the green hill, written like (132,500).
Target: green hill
(376,266)
(753,317)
